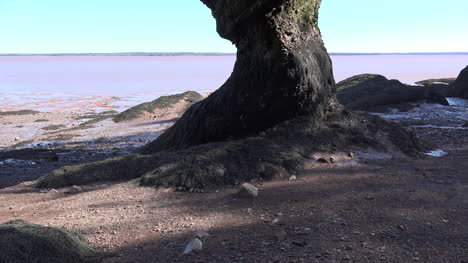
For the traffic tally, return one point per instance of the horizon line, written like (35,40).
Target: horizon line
(217,53)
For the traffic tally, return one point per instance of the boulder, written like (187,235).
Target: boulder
(370,92)
(23,242)
(459,88)
(248,191)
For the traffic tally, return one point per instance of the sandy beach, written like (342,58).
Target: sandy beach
(377,209)
(370,207)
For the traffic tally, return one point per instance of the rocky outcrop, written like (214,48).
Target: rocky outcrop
(278,106)
(23,242)
(282,71)
(370,92)
(460,87)
(162,108)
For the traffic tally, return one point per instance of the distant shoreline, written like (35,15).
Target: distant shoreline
(181,54)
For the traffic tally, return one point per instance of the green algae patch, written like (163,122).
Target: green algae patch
(164,102)
(20,112)
(21,241)
(53,127)
(113,169)
(41,120)
(62,137)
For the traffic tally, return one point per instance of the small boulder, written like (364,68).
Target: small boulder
(23,242)
(370,92)
(459,88)
(247,191)
(196,243)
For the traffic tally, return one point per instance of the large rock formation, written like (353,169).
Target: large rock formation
(459,88)
(23,242)
(277,108)
(369,92)
(282,71)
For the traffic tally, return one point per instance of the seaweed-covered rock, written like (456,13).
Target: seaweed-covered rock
(459,88)
(164,107)
(369,92)
(20,112)
(23,242)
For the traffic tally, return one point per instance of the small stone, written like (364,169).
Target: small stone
(351,155)
(402,227)
(248,191)
(332,159)
(17,139)
(292,178)
(194,245)
(299,243)
(275,221)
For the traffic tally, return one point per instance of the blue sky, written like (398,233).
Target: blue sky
(54,26)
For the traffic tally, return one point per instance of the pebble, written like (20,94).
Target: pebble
(292,178)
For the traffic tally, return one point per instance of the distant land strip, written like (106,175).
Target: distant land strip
(165,54)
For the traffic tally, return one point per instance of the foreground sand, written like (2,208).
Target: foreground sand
(389,210)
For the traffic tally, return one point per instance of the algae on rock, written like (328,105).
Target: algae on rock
(23,242)
(188,98)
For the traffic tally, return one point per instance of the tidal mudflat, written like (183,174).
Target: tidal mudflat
(343,207)
(71,84)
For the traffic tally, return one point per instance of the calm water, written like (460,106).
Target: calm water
(26,81)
